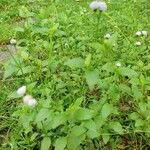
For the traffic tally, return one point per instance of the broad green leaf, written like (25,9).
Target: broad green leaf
(42,114)
(117,127)
(92,78)
(106,138)
(75,141)
(13,95)
(78,130)
(107,109)
(61,143)
(58,120)
(139,122)
(134,116)
(83,114)
(45,143)
(75,63)
(92,130)
(128,72)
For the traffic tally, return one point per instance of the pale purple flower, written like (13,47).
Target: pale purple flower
(98,5)
(94,5)
(138,33)
(21,91)
(29,100)
(102,6)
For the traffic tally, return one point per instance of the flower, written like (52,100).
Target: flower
(26,99)
(118,64)
(32,102)
(107,36)
(138,33)
(102,6)
(13,41)
(138,43)
(29,100)
(94,5)
(144,33)
(98,5)
(21,91)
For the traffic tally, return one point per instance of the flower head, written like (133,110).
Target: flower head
(13,41)
(138,33)
(98,5)
(27,98)
(118,64)
(102,6)
(30,101)
(145,33)
(94,5)
(107,36)
(21,91)
(138,43)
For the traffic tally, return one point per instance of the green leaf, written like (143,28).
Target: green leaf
(106,138)
(117,127)
(128,72)
(42,114)
(78,130)
(107,109)
(92,78)
(83,114)
(88,60)
(75,63)
(92,130)
(61,143)
(75,141)
(58,120)
(139,122)
(45,143)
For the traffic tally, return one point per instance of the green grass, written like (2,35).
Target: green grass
(70,69)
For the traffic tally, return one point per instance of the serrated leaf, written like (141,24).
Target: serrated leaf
(75,63)
(92,78)
(107,109)
(45,143)
(61,143)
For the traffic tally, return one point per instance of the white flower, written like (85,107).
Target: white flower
(118,64)
(94,5)
(13,41)
(28,100)
(107,36)
(21,91)
(98,5)
(138,43)
(138,33)
(102,6)
(145,33)
(32,103)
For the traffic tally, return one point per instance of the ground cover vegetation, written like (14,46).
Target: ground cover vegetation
(80,77)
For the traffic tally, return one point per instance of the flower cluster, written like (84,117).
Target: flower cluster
(98,5)
(140,33)
(27,99)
